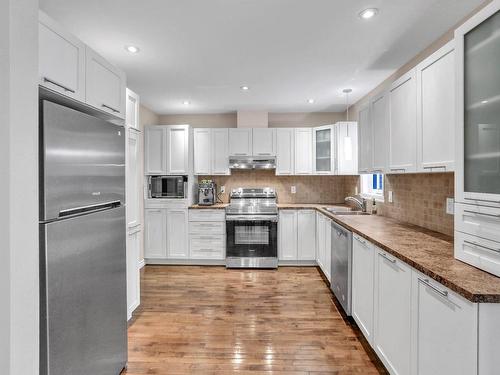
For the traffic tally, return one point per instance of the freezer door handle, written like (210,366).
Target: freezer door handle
(92,207)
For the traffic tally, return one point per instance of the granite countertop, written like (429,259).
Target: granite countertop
(217,206)
(427,251)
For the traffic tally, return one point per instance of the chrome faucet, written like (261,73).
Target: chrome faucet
(359,201)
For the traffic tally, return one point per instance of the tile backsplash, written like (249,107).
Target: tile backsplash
(309,189)
(418,199)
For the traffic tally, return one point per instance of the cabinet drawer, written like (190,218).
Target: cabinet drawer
(207,227)
(207,247)
(478,221)
(207,215)
(480,252)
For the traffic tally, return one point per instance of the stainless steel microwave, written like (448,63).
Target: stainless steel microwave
(174,187)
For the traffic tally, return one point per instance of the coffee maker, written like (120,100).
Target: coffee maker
(207,193)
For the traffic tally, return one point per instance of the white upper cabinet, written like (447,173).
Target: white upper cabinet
(436,91)
(105,85)
(403,124)
(287,235)
(155,150)
(61,59)
(240,142)
(324,149)
(347,148)
(365,140)
(392,312)
(306,235)
(177,149)
(285,147)
(202,145)
(380,122)
(264,142)
(303,151)
(132,109)
(444,330)
(220,152)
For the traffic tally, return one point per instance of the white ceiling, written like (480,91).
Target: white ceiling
(286,50)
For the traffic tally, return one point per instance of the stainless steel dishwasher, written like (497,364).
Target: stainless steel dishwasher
(341,265)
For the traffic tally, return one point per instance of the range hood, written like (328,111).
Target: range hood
(252,162)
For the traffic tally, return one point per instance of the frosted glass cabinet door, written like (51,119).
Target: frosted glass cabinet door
(481,59)
(323,149)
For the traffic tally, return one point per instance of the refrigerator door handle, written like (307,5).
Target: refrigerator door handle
(92,207)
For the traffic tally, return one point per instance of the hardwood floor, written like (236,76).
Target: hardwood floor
(210,320)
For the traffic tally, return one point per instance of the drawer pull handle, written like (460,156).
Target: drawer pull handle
(436,166)
(482,200)
(482,246)
(444,293)
(387,258)
(45,79)
(481,213)
(110,108)
(398,170)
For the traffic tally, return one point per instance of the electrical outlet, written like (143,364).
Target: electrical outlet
(450,206)
(390,197)
(222,189)
(293,189)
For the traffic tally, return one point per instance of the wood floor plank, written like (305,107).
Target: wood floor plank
(209,320)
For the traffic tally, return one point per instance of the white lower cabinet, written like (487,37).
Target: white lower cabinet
(207,234)
(444,330)
(392,312)
(177,233)
(306,235)
(363,263)
(155,233)
(323,244)
(133,275)
(287,235)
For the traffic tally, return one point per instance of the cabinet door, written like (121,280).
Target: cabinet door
(155,233)
(288,235)
(303,151)
(177,149)
(380,122)
(264,142)
(155,150)
(202,151)
(133,192)
(444,330)
(347,148)
(177,233)
(365,140)
(328,249)
(61,57)
(240,142)
(133,274)
(132,109)
(363,259)
(220,151)
(105,85)
(436,111)
(306,234)
(324,149)
(392,313)
(285,141)
(320,241)
(403,124)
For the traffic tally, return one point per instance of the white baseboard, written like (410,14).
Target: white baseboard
(297,263)
(190,262)
(142,263)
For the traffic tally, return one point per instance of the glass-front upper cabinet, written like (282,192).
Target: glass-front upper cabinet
(478,141)
(324,149)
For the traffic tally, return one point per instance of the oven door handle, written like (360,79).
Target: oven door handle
(271,218)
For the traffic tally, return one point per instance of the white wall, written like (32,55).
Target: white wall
(19,187)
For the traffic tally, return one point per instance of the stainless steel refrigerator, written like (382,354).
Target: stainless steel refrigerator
(83,308)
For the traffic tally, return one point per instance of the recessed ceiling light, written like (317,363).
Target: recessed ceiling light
(186,102)
(132,49)
(245,88)
(484,102)
(368,13)
(310,101)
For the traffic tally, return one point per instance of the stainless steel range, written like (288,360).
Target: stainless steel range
(252,229)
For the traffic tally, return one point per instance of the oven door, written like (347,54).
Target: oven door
(251,236)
